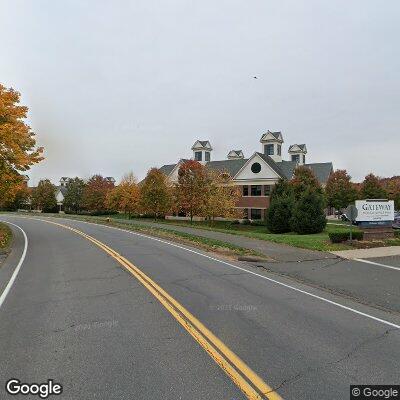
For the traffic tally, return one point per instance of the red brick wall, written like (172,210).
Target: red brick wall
(253,201)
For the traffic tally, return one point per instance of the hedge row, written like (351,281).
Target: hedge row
(342,236)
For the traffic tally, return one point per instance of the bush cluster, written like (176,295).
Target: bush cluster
(342,236)
(297,207)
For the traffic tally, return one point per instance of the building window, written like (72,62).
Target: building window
(304,159)
(198,155)
(256,190)
(207,156)
(245,213)
(267,190)
(296,158)
(256,168)
(269,149)
(279,150)
(255,213)
(245,190)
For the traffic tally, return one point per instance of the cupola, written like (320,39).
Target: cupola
(298,153)
(235,155)
(202,151)
(272,145)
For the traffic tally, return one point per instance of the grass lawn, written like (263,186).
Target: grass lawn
(319,241)
(5,236)
(208,244)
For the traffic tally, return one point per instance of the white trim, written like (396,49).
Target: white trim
(18,267)
(255,154)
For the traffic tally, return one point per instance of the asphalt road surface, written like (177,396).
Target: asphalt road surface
(138,326)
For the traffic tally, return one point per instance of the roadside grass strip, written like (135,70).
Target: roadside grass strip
(241,374)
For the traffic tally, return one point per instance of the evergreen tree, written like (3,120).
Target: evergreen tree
(308,214)
(279,213)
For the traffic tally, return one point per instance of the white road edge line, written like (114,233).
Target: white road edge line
(375,263)
(245,270)
(17,268)
(254,273)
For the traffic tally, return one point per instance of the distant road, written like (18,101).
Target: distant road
(111,314)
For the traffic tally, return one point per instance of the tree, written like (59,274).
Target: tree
(44,196)
(155,194)
(304,179)
(392,186)
(279,213)
(372,188)
(125,196)
(340,192)
(19,200)
(192,188)
(221,196)
(73,198)
(95,192)
(282,187)
(308,214)
(18,151)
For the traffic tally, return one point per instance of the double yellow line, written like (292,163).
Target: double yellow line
(240,373)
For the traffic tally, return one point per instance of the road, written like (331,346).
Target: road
(79,313)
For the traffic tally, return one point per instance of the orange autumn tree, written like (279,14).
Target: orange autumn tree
(221,197)
(192,188)
(18,151)
(95,193)
(125,196)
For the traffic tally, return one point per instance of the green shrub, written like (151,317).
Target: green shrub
(279,214)
(342,236)
(246,221)
(308,215)
(397,234)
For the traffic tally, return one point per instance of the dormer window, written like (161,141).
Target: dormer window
(207,156)
(198,155)
(269,149)
(279,150)
(296,158)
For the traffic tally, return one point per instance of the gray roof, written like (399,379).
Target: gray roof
(230,166)
(287,168)
(63,190)
(167,169)
(272,164)
(301,146)
(284,169)
(275,134)
(203,142)
(320,170)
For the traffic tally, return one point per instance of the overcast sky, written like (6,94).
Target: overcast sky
(124,85)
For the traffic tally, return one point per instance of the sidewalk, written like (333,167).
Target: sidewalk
(278,252)
(368,253)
